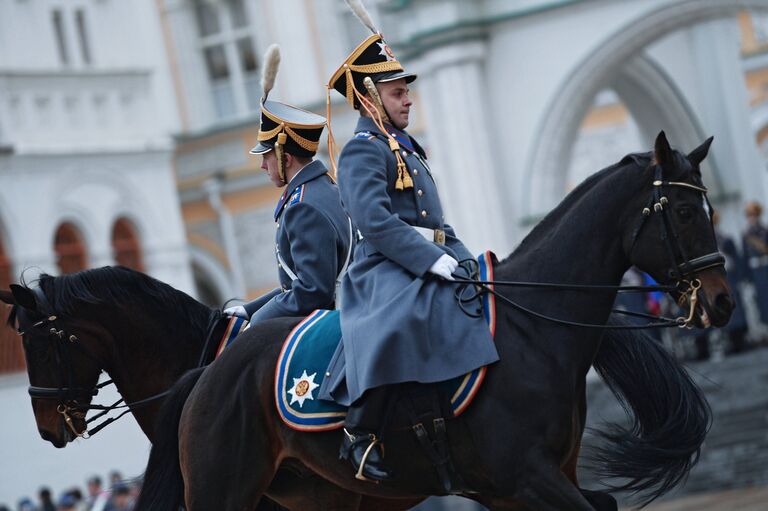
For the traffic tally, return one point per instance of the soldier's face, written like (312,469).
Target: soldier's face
(269,165)
(394,95)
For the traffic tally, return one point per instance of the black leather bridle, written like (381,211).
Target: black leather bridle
(73,401)
(682,267)
(681,272)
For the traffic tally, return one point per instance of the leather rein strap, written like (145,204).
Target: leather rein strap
(681,271)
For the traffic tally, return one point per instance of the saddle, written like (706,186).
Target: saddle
(308,349)
(424,409)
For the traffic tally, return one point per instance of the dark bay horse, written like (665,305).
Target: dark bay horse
(220,439)
(145,335)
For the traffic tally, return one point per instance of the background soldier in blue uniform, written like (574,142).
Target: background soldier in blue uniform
(755,250)
(314,239)
(401,321)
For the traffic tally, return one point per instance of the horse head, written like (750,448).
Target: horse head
(669,234)
(63,363)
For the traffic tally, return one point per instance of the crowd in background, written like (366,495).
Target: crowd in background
(118,495)
(746,255)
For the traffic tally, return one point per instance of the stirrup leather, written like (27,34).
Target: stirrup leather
(354,440)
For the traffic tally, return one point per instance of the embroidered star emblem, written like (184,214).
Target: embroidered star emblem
(386,52)
(302,389)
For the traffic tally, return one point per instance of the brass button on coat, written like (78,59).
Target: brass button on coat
(420,193)
(423,212)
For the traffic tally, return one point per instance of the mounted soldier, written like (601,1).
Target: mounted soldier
(314,241)
(401,320)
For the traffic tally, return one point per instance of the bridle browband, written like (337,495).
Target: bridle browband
(681,271)
(67,394)
(683,267)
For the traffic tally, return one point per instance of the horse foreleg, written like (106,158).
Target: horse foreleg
(300,490)
(380,504)
(601,501)
(547,489)
(579,420)
(227,457)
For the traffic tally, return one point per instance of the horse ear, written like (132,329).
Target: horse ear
(24,297)
(662,151)
(697,155)
(7,297)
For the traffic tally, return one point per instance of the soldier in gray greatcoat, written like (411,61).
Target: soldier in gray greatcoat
(314,241)
(401,321)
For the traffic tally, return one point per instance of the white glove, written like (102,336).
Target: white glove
(237,310)
(444,266)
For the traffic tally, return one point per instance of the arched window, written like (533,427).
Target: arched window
(70,249)
(11,353)
(125,244)
(5,267)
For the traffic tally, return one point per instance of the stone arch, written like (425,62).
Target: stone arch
(559,125)
(6,265)
(126,244)
(11,353)
(70,249)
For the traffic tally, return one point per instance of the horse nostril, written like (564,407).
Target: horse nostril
(724,303)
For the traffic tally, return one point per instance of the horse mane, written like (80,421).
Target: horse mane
(120,285)
(546,226)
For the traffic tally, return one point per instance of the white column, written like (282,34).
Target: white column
(227,226)
(461,145)
(723,105)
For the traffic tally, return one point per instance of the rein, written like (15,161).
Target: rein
(683,268)
(681,322)
(68,406)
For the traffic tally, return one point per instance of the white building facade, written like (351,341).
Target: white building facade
(86,113)
(128,124)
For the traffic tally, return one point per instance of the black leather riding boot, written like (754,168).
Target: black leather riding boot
(365,421)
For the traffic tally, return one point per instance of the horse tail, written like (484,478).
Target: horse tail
(669,414)
(163,487)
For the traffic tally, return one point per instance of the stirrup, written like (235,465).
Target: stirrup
(354,440)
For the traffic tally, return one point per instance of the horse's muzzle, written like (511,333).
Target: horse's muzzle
(716,299)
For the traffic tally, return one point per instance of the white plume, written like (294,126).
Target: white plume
(362,14)
(269,72)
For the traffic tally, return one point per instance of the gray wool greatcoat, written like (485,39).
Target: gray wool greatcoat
(313,239)
(399,323)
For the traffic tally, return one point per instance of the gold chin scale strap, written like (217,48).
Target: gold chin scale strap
(404,180)
(281,139)
(331,140)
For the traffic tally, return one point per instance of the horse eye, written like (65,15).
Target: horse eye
(685,213)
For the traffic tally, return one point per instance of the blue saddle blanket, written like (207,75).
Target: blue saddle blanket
(308,349)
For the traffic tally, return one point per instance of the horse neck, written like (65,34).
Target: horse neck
(578,243)
(152,349)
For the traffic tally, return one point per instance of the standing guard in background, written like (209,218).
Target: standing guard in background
(755,250)
(401,321)
(314,239)
(736,329)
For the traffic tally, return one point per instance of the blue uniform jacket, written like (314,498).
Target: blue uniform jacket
(313,238)
(755,250)
(398,322)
